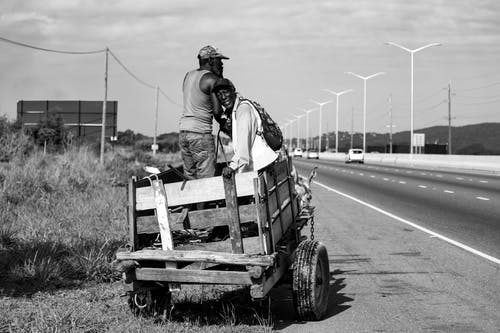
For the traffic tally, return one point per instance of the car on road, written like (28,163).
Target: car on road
(355,155)
(297,152)
(312,153)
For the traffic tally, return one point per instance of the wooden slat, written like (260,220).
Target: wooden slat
(199,219)
(260,216)
(162,214)
(131,215)
(202,256)
(260,290)
(233,213)
(193,276)
(196,191)
(287,218)
(208,218)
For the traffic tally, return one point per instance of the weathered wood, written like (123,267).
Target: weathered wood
(193,276)
(260,290)
(233,213)
(162,214)
(264,193)
(259,216)
(198,219)
(196,191)
(203,256)
(131,215)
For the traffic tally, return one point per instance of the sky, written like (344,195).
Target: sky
(282,54)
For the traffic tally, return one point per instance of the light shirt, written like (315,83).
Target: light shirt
(197,112)
(251,152)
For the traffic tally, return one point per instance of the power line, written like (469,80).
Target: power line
(142,81)
(479,103)
(482,87)
(130,72)
(169,99)
(433,106)
(49,50)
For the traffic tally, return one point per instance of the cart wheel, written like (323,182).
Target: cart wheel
(150,303)
(311,280)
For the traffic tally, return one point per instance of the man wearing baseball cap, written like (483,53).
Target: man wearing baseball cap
(200,107)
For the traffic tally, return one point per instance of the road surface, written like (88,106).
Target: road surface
(409,250)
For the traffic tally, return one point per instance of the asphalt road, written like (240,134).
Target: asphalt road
(409,250)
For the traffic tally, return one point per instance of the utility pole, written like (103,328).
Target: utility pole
(104,104)
(449,117)
(352,126)
(390,124)
(155,145)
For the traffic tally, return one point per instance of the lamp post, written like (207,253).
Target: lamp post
(307,124)
(298,128)
(412,52)
(337,94)
(320,120)
(290,122)
(364,78)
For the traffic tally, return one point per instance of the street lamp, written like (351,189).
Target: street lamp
(298,128)
(290,122)
(364,78)
(337,94)
(412,52)
(320,123)
(307,124)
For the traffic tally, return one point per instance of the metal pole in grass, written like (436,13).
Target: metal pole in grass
(105,102)
(155,146)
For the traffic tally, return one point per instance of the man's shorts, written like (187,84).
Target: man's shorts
(198,154)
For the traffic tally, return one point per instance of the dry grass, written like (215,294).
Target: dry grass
(62,219)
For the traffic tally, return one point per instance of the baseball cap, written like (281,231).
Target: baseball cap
(209,51)
(223,83)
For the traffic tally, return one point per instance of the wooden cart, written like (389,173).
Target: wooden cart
(258,211)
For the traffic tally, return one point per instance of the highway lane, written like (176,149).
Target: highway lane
(388,276)
(462,206)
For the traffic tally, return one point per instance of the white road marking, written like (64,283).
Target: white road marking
(448,191)
(372,176)
(483,181)
(483,198)
(361,174)
(402,182)
(459,178)
(439,176)
(422,186)
(414,225)
(423,173)
(386,179)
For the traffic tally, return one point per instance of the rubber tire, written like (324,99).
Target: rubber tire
(159,301)
(311,280)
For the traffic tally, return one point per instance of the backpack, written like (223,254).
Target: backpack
(271,133)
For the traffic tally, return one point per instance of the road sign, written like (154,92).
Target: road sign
(419,139)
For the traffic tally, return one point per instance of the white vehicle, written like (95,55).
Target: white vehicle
(312,153)
(297,152)
(355,155)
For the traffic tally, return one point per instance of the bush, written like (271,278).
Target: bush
(13,142)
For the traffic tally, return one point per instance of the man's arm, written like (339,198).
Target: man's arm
(207,83)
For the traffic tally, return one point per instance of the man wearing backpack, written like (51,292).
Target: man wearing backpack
(251,151)
(200,107)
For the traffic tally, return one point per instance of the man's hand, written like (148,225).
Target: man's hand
(227,172)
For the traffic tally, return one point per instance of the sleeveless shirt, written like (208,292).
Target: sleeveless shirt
(197,112)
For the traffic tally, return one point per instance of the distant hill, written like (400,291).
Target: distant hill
(477,139)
